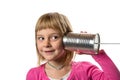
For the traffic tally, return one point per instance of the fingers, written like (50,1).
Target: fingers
(83,31)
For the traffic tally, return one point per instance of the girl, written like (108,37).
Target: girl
(55,62)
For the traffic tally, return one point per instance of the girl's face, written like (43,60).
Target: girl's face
(49,44)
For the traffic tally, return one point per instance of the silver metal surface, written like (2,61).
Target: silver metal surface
(86,43)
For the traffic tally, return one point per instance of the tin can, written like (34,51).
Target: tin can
(82,43)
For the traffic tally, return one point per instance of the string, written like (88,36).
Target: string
(108,43)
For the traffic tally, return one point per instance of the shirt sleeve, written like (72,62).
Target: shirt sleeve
(110,71)
(31,75)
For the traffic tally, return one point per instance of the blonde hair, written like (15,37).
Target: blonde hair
(58,22)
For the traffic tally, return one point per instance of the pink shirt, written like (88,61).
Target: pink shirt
(83,70)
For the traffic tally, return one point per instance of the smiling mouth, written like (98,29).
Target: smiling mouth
(48,52)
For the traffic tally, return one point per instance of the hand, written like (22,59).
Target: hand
(83,31)
(88,52)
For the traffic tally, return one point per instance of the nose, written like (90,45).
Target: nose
(47,43)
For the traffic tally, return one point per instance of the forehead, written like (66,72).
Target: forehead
(47,31)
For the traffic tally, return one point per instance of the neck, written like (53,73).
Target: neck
(57,67)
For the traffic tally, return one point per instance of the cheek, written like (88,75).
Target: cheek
(58,45)
(39,46)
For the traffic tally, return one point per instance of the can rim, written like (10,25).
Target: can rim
(97,43)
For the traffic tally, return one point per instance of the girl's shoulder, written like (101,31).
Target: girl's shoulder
(35,71)
(83,65)
(83,68)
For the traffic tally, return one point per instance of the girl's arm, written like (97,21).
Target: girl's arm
(109,68)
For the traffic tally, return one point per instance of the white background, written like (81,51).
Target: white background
(18,19)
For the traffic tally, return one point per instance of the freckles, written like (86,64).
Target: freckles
(59,46)
(39,47)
